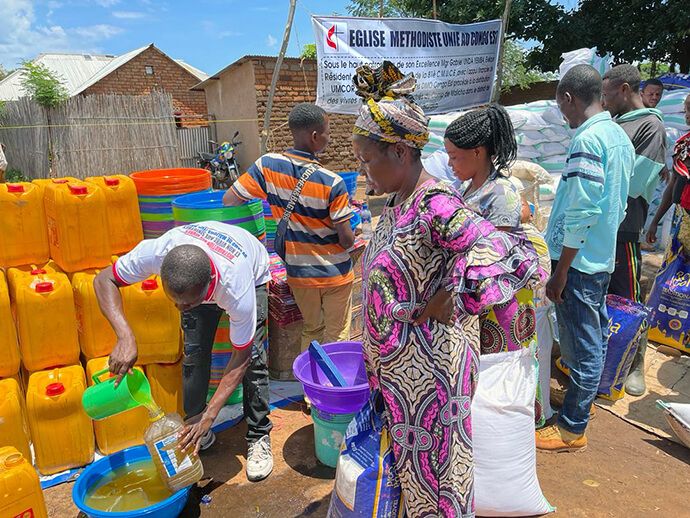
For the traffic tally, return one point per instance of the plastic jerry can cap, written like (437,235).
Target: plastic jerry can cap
(13,459)
(111,182)
(15,187)
(38,271)
(55,389)
(149,285)
(44,287)
(78,189)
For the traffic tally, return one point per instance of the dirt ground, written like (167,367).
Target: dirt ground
(624,472)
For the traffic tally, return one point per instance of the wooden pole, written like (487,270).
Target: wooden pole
(435,11)
(499,66)
(276,74)
(381,9)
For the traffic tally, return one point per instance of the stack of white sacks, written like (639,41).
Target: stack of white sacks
(543,135)
(671,105)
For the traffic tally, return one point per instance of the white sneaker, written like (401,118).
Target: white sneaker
(259,459)
(207,440)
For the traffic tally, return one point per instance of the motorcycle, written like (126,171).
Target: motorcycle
(222,163)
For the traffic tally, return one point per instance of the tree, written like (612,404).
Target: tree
(516,69)
(631,30)
(4,72)
(42,85)
(650,70)
(372,8)
(309,51)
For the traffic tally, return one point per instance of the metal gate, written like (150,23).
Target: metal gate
(191,140)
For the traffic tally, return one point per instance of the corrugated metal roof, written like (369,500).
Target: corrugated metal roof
(79,71)
(73,70)
(199,74)
(108,68)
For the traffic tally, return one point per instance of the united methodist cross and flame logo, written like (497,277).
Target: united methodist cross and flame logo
(333,36)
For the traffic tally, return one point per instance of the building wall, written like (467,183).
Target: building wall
(229,98)
(232,98)
(131,79)
(296,84)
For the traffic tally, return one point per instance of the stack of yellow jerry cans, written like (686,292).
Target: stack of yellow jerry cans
(55,236)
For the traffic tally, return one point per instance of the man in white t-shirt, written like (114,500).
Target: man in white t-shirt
(206,268)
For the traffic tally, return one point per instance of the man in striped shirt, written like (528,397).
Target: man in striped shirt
(581,235)
(319,268)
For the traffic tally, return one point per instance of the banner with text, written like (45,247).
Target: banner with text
(455,65)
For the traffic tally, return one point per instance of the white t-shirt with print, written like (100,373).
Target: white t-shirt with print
(239,260)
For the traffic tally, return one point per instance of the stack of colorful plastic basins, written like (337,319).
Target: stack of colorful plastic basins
(271,227)
(158,188)
(220,357)
(208,206)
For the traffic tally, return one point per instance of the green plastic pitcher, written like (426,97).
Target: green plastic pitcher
(104,399)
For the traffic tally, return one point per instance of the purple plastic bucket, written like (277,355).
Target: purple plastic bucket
(347,356)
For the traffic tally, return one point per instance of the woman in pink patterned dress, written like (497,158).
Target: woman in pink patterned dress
(432,265)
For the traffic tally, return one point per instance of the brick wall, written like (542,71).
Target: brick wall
(296,84)
(131,79)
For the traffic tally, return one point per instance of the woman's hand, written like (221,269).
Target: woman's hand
(440,307)
(195,429)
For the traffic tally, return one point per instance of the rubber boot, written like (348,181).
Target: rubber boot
(635,384)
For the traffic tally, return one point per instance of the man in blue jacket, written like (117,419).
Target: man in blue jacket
(587,211)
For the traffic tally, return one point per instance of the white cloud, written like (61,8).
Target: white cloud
(54,5)
(25,35)
(107,3)
(97,32)
(271,41)
(128,15)
(229,34)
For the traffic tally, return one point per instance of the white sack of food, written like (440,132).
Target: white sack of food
(505,457)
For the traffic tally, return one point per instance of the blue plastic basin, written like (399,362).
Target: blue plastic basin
(171,507)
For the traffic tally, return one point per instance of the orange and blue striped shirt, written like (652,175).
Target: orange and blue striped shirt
(314,257)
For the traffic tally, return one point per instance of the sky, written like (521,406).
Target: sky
(208,34)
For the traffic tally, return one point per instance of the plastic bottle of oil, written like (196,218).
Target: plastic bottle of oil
(177,467)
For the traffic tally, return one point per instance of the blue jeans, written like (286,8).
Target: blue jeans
(583,330)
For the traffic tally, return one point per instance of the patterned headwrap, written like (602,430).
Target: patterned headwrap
(389,113)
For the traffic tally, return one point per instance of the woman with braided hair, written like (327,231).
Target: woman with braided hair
(432,265)
(481,147)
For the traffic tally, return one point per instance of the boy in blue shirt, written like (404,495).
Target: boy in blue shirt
(588,209)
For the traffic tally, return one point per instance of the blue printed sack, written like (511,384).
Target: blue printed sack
(670,303)
(366,484)
(627,324)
